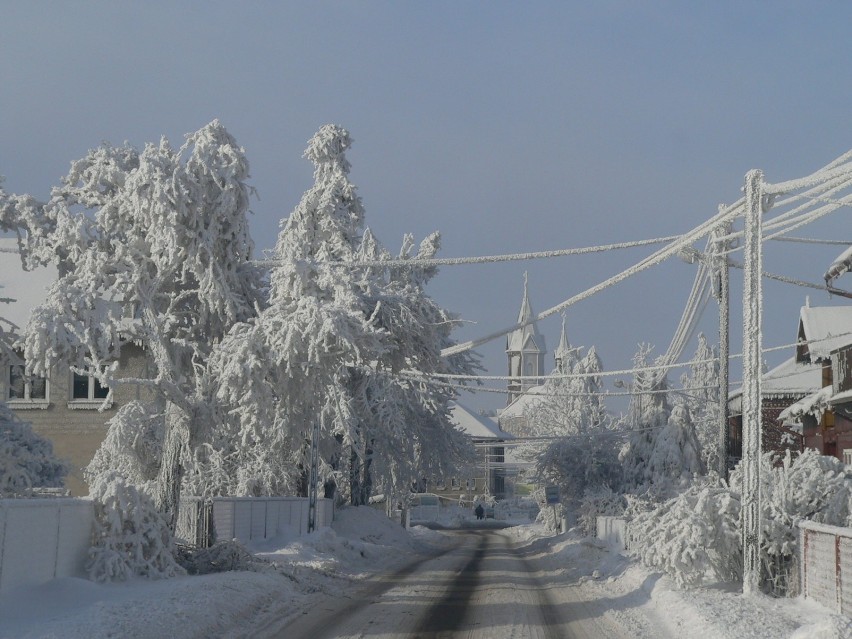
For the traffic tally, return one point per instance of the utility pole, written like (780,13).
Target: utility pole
(752,343)
(721,290)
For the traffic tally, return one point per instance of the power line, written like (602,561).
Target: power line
(483,259)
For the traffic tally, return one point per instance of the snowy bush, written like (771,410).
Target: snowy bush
(26,459)
(598,501)
(222,556)
(697,535)
(131,537)
(693,537)
(809,486)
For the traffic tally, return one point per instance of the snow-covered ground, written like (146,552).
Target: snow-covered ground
(362,542)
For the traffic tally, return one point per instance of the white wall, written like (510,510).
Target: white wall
(252,518)
(42,539)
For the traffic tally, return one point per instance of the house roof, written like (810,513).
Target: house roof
(475,425)
(789,379)
(27,288)
(826,328)
(814,404)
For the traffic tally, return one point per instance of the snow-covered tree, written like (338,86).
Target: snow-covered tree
(701,389)
(331,342)
(154,247)
(578,462)
(396,414)
(26,459)
(676,456)
(649,412)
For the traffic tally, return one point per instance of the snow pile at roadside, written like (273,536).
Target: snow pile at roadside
(641,599)
(360,542)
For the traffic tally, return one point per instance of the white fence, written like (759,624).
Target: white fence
(42,539)
(613,530)
(250,518)
(825,557)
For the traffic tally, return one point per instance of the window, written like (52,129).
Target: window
(847,457)
(21,389)
(87,387)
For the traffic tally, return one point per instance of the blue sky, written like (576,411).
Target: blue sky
(509,127)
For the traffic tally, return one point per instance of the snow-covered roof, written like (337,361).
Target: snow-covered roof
(842,264)
(789,379)
(813,404)
(517,408)
(475,425)
(826,328)
(27,288)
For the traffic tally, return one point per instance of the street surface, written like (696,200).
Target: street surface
(480,587)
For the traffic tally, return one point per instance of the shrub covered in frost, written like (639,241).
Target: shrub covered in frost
(131,537)
(697,535)
(809,486)
(222,556)
(26,459)
(693,537)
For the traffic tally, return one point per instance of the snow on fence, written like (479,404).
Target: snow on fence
(42,539)
(247,518)
(613,530)
(825,557)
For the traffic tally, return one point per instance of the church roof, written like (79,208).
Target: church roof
(527,338)
(475,425)
(529,398)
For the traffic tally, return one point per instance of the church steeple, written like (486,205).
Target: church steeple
(525,349)
(564,354)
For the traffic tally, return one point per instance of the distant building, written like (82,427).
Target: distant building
(801,398)
(65,407)
(488,476)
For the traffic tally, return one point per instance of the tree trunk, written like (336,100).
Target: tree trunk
(171,469)
(354,478)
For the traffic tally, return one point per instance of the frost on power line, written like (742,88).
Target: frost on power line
(671,249)
(487,259)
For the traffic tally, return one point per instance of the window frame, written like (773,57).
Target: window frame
(27,401)
(91,401)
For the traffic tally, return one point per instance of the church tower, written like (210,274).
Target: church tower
(525,349)
(565,355)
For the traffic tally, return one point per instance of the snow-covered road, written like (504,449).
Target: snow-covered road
(481,586)
(366,576)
